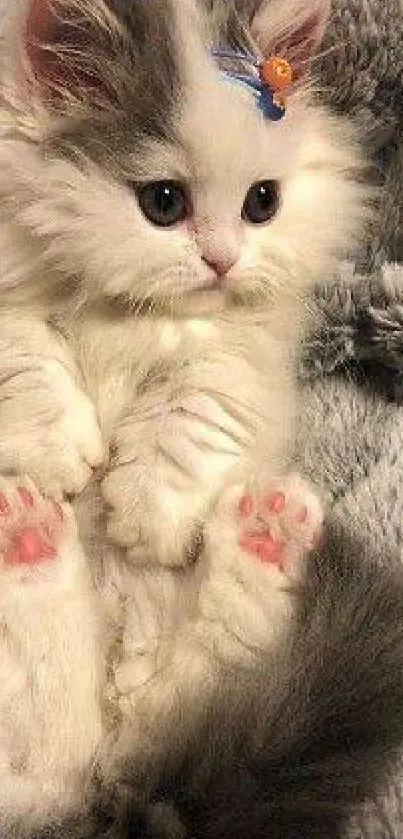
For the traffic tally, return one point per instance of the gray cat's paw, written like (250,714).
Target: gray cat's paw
(158,525)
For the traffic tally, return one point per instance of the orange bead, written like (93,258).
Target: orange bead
(276,73)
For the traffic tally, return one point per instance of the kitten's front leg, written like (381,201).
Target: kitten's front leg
(48,426)
(169,466)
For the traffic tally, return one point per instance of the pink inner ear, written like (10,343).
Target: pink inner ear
(38,20)
(45,31)
(299,46)
(39,31)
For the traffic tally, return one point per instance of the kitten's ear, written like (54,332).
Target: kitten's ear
(292,29)
(62,42)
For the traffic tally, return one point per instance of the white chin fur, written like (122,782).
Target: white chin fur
(203,301)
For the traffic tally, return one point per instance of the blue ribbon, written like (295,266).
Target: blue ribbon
(263,94)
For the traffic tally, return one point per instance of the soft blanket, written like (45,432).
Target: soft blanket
(351,375)
(351,440)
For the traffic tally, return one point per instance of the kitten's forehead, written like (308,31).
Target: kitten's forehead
(221,126)
(228,141)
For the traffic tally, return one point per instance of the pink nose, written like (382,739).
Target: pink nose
(221,264)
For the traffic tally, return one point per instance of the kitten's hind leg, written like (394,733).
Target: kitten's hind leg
(49,672)
(256,549)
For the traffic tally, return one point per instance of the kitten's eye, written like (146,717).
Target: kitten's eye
(262,202)
(164,203)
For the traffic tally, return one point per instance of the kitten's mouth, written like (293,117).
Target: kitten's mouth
(210,296)
(210,285)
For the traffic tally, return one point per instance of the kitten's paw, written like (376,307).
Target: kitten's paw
(30,525)
(280,525)
(158,526)
(256,549)
(59,452)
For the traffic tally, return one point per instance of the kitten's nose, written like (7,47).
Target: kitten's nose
(220,263)
(219,244)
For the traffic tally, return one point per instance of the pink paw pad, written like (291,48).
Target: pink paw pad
(30,548)
(29,526)
(275,502)
(245,505)
(265,547)
(280,526)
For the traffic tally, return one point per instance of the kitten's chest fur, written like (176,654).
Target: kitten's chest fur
(232,375)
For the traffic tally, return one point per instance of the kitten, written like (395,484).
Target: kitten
(158,235)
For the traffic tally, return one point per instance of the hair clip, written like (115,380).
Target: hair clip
(274,75)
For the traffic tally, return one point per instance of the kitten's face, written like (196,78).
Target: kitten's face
(222,209)
(199,223)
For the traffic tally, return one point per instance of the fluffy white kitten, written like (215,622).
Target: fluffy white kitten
(158,236)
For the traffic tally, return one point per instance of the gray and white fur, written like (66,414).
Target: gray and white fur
(147,373)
